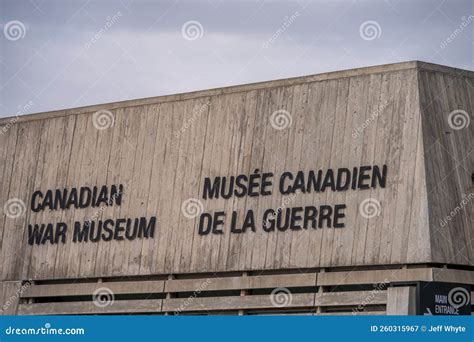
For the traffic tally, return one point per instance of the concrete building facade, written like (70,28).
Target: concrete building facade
(349,192)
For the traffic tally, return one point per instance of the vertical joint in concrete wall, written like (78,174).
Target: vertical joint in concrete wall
(319,293)
(401,300)
(168,294)
(10,292)
(243,293)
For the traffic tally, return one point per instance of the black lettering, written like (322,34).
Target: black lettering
(48,234)
(233,224)
(283,190)
(95,231)
(35,205)
(339,214)
(363,176)
(310,215)
(35,234)
(103,198)
(147,230)
(354,178)
(299,183)
(131,234)
(72,199)
(116,195)
(240,183)
(205,224)
(269,220)
(328,181)
(325,213)
(249,221)
(85,195)
(381,178)
(314,182)
(345,174)
(107,232)
(81,233)
(266,182)
(254,184)
(218,221)
(296,218)
(48,200)
(94,196)
(230,191)
(280,224)
(59,199)
(61,229)
(211,191)
(119,228)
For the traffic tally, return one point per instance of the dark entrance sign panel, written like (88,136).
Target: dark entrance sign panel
(436,298)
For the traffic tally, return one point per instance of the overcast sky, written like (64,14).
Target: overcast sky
(59,54)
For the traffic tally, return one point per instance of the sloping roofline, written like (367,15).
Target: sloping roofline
(393,67)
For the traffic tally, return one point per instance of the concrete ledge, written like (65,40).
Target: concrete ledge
(243,88)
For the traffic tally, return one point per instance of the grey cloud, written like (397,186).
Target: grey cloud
(71,56)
